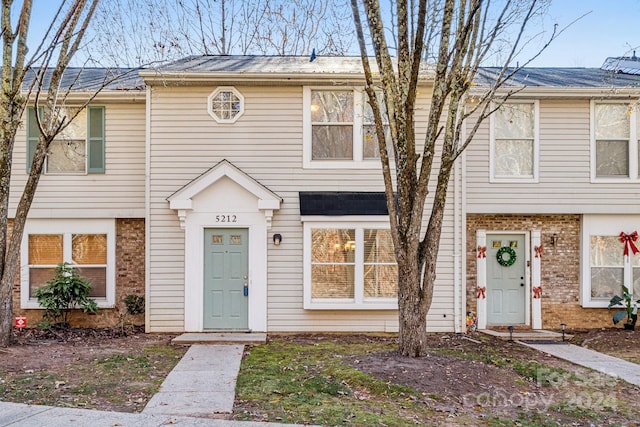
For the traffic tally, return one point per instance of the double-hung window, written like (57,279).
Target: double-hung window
(605,267)
(78,148)
(87,245)
(614,142)
(370,146)
(339,131)
(514,142)
(349,266)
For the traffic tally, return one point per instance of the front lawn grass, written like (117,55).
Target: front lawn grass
(311,383)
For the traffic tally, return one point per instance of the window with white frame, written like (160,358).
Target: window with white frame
(605,267)
(514,142)
(225,105)
(349,266)
(87,245)
(339,129)
(614,141)
(79,148)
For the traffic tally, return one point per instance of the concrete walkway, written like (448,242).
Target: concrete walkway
(20,415)
(202,384)
(627,371)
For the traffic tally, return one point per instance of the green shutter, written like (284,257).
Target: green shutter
(95,140)
(33,133)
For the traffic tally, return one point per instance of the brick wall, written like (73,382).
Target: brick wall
(560,267)
(130,279)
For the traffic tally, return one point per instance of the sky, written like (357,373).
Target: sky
(610,28)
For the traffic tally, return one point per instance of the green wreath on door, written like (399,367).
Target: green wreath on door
(500,256)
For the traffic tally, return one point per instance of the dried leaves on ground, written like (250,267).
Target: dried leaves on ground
(463,380)
(336,379)
(86,368)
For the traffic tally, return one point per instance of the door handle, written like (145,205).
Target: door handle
(245,290)
(521,284)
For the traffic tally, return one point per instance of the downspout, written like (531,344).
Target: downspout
(459,245)
(147,209)
(456,249)
(463,240)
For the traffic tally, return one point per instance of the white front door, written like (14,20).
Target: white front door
(506,279)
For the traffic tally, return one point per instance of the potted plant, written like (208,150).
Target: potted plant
(630,309)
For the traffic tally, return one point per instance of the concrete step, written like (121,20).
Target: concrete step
(529,335)
(220,338)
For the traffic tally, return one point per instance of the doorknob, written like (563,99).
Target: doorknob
(521,284)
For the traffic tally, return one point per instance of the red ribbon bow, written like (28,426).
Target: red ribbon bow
(482,251)
(628,240)
(481,293)
(537,292)
(538,250)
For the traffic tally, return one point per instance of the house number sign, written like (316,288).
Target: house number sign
(231,218)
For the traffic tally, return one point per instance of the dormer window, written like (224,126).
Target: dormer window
(225,105)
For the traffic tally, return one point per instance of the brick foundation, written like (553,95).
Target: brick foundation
(560,267)
(130,279)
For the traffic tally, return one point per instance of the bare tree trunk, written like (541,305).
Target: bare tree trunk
(456,35)
(412,308)
(63,40)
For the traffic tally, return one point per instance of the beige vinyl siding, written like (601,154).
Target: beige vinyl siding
(564,180)
(265,143)
(119,192)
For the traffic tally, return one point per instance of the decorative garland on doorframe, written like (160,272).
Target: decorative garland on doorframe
(509,251)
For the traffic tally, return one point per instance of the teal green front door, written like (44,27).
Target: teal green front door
(225,278)
(506,284)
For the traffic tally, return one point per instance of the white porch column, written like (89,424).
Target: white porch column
(481,278)
(536,287)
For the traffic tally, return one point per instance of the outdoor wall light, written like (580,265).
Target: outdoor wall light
(277,238)
(554,239)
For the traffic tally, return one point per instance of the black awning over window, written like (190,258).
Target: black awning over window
(342,203)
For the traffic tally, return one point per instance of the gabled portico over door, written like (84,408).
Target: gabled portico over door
(225,199)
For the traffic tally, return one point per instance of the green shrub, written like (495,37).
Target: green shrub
(66,291)
(134,304)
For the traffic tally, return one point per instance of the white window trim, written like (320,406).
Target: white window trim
(536,147)
(214,94)
(68,227)
(604,225)
(358,162)
(632,146)
(359,302)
